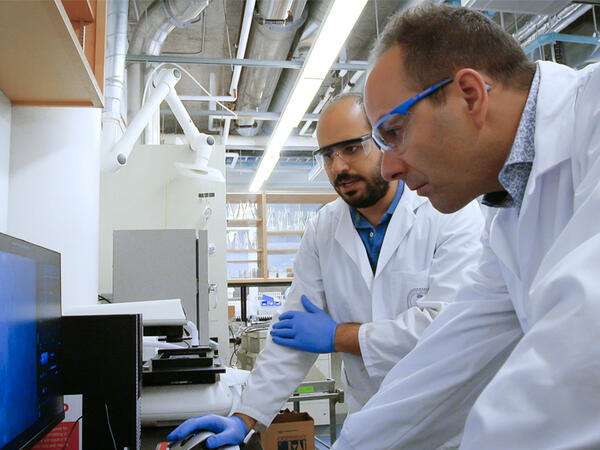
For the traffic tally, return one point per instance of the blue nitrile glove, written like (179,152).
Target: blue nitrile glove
(231,430)
(311,331)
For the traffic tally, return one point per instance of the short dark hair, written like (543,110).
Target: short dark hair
(439,40)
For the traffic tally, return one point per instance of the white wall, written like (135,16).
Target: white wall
(53,197)
(149,193)
(5,115)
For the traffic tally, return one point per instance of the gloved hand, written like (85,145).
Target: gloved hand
(231,430)
(311,331)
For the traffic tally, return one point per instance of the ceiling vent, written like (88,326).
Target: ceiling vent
(537,7)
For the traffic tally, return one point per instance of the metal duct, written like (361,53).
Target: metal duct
(317,11)
(159,19)
(273,30)
(116,50)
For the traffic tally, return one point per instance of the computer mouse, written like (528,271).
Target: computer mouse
(195,441)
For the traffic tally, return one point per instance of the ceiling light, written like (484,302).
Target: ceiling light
(340,20)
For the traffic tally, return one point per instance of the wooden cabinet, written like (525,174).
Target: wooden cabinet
(43,61)
(257,237)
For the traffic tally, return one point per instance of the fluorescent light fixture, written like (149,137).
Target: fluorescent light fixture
(340,20)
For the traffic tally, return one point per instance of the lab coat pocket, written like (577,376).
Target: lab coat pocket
(409,286)
(359,387)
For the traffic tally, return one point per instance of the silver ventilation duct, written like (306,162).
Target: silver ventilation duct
(159,19)
(116,50)
(273,30)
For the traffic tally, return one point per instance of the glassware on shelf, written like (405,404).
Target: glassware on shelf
(252,211)
(231,240)
(298,219)
(244,241)
(284,221)
(271,219)
(252,239)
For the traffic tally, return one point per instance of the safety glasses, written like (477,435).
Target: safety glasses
(350,151)
(389,131)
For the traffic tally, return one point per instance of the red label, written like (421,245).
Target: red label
(55,440)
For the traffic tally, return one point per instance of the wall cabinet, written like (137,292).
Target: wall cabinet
(264,231)
(52,52)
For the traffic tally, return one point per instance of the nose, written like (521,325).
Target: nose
(393,166)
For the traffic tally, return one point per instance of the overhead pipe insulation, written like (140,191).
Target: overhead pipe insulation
(274,27)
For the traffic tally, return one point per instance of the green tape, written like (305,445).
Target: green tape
(305,389)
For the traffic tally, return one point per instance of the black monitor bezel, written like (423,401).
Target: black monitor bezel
(29,438)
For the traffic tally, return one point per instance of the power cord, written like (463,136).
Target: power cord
(109,427)
(71,432)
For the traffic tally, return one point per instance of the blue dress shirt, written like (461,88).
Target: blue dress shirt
(372,237)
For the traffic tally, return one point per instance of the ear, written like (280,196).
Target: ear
(473,91)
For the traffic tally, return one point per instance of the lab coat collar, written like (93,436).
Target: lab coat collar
(399,226)
(553,128)
(349,239)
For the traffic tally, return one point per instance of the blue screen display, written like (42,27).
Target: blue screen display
(29,340)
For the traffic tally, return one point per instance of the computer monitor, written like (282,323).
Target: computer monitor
(30,400)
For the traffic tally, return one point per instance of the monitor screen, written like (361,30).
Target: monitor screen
(30,400)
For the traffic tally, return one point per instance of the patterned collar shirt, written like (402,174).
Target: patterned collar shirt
(515,173)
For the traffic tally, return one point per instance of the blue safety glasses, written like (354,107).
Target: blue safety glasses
(389,131)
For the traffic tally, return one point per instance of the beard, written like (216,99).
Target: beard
(375,189)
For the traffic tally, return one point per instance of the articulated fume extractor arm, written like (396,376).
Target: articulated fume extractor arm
(202,144)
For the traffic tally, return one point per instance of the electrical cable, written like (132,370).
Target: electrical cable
(101,297)
(71,432)
(109,427)
(321,442)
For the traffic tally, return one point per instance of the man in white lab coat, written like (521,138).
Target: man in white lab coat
(515,360)
(373,270)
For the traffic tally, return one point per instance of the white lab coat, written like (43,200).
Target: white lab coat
(423,251)
(530,319)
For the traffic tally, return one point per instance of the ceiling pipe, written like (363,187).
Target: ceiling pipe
(218,114)
(241,52)
(275,24)
(550,38)
(246,62)
(546,24)
(113,125)
(155,25)
(249,142)
(317,10)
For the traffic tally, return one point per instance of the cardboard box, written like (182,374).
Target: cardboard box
(290,431)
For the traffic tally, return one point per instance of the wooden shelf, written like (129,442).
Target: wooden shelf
(301,197)
(281,251)
(42,60)
(244,250)
(258,281)
(79,10)
(285,232)
(261,200)
(242,197)
(243,222)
